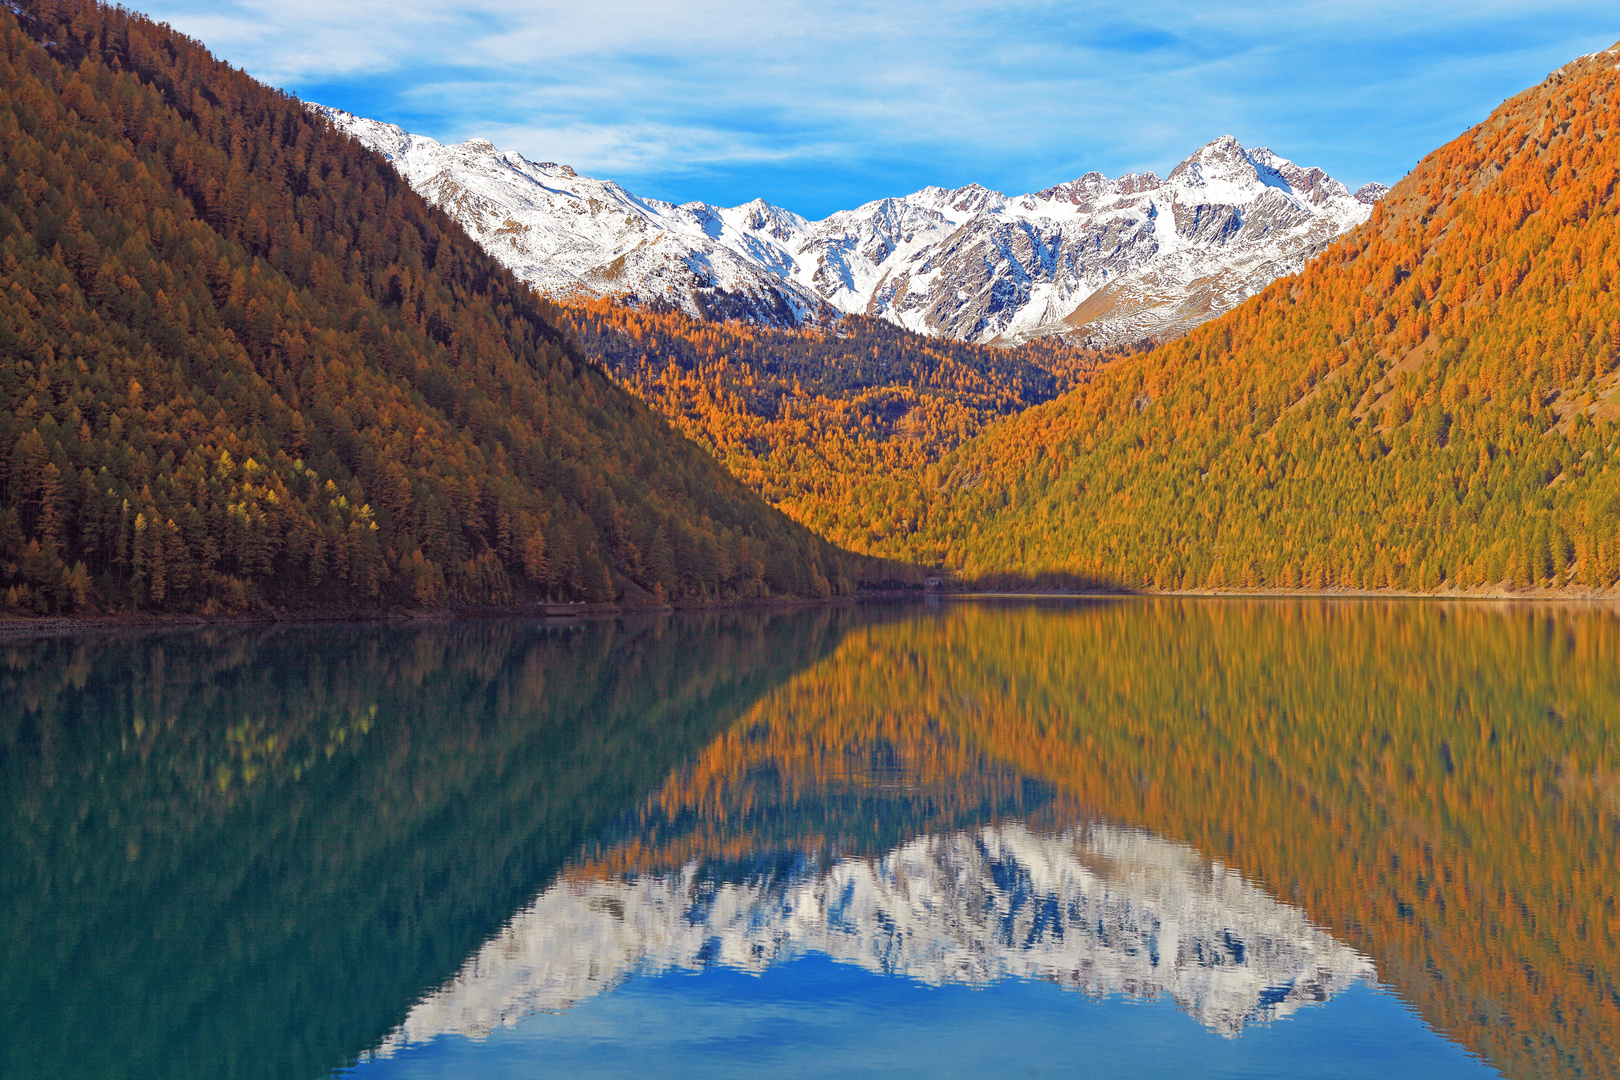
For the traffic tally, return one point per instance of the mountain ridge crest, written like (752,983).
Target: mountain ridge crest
(1094,258)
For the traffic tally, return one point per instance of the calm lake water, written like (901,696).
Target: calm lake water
(1146,837)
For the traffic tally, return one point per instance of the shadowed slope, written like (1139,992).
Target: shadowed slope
(245,366)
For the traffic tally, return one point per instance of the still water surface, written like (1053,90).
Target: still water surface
(1203,838)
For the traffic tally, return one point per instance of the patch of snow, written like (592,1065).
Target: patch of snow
(1098,909)
(968,263)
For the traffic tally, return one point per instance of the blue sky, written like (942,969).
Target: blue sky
(818,105)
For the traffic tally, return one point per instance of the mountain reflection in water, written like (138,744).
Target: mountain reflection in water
(266,853)
(242,853)
(1098,909)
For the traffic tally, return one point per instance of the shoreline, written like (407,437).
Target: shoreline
(18,626)
(1544,596)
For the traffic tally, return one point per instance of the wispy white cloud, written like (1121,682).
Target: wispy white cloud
(820,96)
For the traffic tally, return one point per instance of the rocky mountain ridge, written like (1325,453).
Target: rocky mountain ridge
(1110,261)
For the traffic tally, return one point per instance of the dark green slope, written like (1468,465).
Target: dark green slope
(242,366)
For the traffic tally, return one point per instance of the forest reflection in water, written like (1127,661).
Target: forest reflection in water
(243,853)
(341,843)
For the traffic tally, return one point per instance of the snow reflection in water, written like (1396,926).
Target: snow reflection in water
(1099,909)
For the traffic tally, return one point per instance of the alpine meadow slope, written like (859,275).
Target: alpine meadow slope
(245,367)
(1430,405)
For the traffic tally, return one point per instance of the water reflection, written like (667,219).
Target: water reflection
(1431,784)
(267,853)
(1098,909)
(245,853)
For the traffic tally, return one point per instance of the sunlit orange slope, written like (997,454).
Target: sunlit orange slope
(1430,405)
(830,425)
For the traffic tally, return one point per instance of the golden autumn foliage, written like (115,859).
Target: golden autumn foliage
(832,425)
(243,366)
(1430,405)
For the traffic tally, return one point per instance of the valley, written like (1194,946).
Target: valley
(462,618)
(251,369)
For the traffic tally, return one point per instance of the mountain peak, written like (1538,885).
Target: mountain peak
(1221,159)
(966,262)
(389,140)
(974,198)
(1132,183)
(758,215)
(1222,146)
(1224,150)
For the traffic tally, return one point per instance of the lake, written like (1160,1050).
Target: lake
(1085,838)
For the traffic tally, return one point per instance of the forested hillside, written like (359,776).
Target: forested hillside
(831,425)
(243,365)
(1430,405)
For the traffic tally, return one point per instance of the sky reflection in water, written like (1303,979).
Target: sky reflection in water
(1208,838)
(818,1018)
(1098,909)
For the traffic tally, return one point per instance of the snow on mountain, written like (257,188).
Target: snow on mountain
(1099,909)
(568,234)
(1112,261)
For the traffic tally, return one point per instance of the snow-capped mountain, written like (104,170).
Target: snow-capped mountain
(1100,909)
(1113,260)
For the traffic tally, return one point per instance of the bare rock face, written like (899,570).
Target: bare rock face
(1109,261)
(1371,193)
